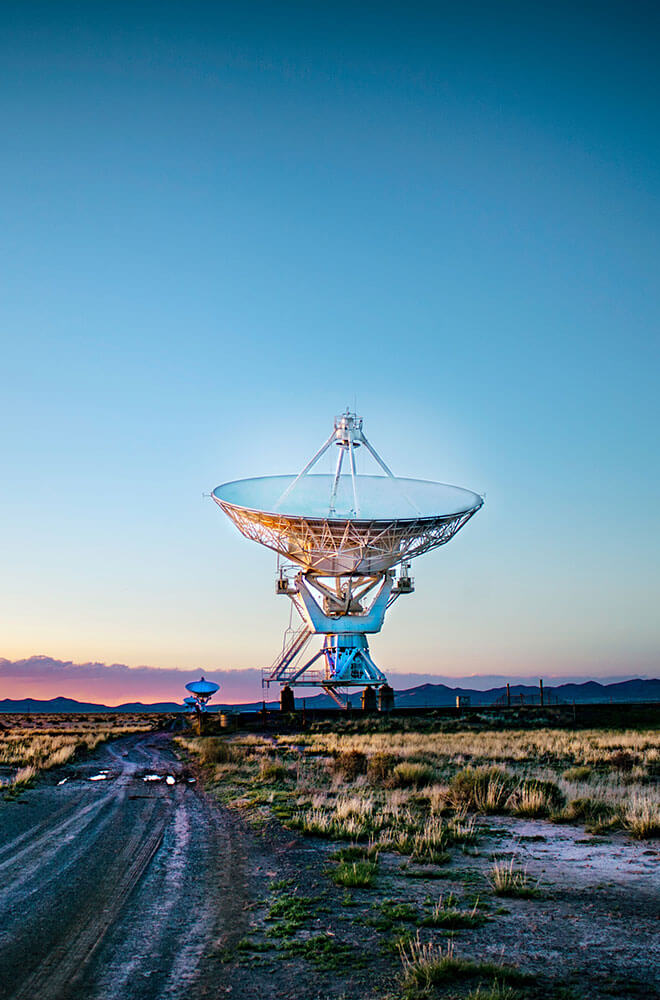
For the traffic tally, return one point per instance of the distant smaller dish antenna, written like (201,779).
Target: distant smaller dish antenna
(190,702)
(203,691)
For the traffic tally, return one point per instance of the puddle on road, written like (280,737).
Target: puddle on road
(153,777)
(169,780)
(99,777)
(63,781)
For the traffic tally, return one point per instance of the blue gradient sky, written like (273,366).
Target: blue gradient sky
(221,224)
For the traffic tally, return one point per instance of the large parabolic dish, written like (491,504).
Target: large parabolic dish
(375,521)
(361,531)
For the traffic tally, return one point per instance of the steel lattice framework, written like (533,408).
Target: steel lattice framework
(337,548)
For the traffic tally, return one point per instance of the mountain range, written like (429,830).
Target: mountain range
(423,696)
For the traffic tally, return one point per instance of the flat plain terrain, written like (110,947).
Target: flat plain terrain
(353,864)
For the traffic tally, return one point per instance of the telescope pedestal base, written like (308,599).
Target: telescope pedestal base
(348,664)
(348,660)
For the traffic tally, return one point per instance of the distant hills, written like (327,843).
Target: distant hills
(442,696)
(61,705)
(438,695)
(423,696)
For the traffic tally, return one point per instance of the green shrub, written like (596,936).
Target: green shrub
(484,789)
(355,874)
(380,767)
(426,964)
(577,774)
(325,952)
(534,798)
(585,810)
(393,913)
(407,774)
(351,763)
(213,750)
(447,913)
(356,852)
(272,770)
(291,908)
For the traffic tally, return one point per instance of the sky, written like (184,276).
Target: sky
(224,223)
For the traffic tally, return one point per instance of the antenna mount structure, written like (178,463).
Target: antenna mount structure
(201,692)
(344,543)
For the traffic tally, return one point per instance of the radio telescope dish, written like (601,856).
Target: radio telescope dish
(354,530)
(202,690)
(372,524)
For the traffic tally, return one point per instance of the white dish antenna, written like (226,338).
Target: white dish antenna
(353,530)
(347,524)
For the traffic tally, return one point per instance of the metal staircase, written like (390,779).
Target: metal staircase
(284,668)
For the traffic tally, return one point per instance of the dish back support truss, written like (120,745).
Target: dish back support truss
(343,547)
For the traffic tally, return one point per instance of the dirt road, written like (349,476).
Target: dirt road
(113,886)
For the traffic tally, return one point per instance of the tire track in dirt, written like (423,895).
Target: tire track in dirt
(157,950)
(56,844)
(128,958)
(50,822)
(59,973)
(120,897)
(35,855)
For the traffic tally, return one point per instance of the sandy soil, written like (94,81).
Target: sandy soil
(124,888)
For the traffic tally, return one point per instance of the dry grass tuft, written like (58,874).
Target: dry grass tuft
(380,766)
(536,798)
(272,770)
(507,880)
(213,750)
(24,776)
(447,913)
(351,763)
(586,810)
(641,817)
(496,991)
(409,774)
(577,773)
(485,789)
(426,964)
